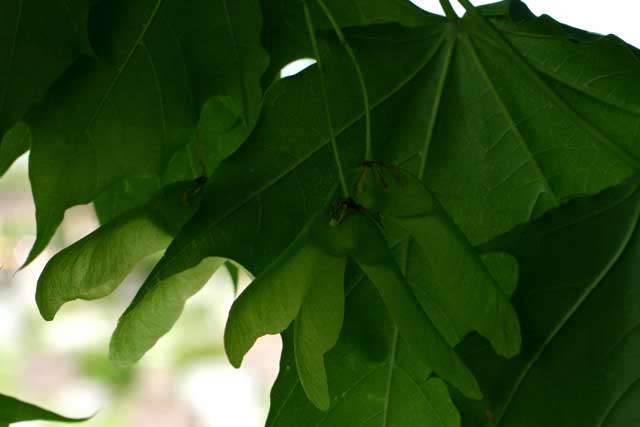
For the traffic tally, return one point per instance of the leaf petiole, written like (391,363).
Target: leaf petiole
(356,66)
(448,10)
(325,99)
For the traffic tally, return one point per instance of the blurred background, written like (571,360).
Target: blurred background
(185,381)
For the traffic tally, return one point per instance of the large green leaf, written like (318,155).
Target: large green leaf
(541,142)
(495,152)
(480,166)
(125,114)
(94,266)
(579,305)
(502,117)
(284,169)
(13,410)
(39,39)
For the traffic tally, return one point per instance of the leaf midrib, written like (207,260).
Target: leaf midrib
(495,37)
(507,116)
(611,408)
(569,83)
(394,345)
(236,54)
(156,83)
(106,96)
(125,63)
(433,119)
(429,136)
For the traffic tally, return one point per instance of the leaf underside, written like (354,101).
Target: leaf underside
(489,244)
(580,264)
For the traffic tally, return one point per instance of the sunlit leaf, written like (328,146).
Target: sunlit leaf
(94,266)
(151,315)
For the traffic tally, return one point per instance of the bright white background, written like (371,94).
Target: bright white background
(619,17)
(209,391)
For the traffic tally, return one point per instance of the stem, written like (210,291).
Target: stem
(468,6)
(325,99)
(448,10)
(356,65)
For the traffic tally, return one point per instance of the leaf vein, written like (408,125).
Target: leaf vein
(517,57)
(512,125)
(355,384)
(569,314)
(125,63)
(156,81)
(611,409)
(243,88)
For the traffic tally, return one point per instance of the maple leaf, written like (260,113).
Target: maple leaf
(441,134)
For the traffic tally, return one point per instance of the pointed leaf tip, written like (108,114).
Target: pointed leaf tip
(155,309)
(13,410)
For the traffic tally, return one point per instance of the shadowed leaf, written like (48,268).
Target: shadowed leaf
(13,410)
(579,307)
(39,40)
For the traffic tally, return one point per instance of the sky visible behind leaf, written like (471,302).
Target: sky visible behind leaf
(617,17)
